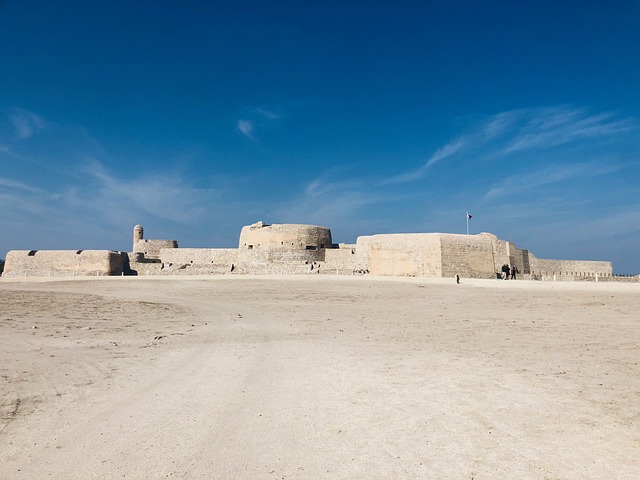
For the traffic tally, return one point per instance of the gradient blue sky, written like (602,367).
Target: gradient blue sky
(196,118)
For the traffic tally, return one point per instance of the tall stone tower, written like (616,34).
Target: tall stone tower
(138,234)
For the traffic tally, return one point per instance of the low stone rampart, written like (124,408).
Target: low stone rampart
(200,256)
(62,263)
(546,269)
(191,261)
(344,261)
(152,248)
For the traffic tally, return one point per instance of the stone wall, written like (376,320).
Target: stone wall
(62,263)
(545,269)
(152,248)
(344,261)
(408,254)
(500,250)
(469,256)
(190,261)
(519,258)
(147,268)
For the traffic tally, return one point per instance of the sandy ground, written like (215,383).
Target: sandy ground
(318,377)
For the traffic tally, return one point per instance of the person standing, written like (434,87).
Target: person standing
(505,272)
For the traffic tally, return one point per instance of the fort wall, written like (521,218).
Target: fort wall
(546,269)
(469,256)
(408,254)
(152,248)
(62,263)
(344,260)
(304,249)
(190,261)
(500,250)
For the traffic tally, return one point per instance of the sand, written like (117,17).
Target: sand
(318,377)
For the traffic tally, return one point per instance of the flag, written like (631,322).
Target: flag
(469,215)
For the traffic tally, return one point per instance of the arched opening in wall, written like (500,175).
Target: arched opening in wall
(78,252)
(32,253)
(250,247)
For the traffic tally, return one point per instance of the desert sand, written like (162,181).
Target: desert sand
(314,377)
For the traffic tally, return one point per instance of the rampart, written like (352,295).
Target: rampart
(61,263)
(189,261)
(344,260)
(152,248)
(545,269)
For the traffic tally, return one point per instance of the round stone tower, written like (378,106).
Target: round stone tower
(283,243)
(138,234)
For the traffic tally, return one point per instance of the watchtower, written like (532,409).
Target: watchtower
(138,234)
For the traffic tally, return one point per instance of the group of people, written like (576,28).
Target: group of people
(507,272)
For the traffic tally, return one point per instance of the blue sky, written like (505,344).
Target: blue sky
(196,118)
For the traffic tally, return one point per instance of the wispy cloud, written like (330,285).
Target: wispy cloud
(440,154)
(338,204)
(270,114)
(446,151)
(523,130)
(499,123)
(26,123)
(547,175)
(245,127)
(164,196)
(552,127)
(257,118)
(14,185)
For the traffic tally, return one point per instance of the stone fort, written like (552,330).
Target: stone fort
(309,249)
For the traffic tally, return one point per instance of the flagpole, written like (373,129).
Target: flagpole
(467,223)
